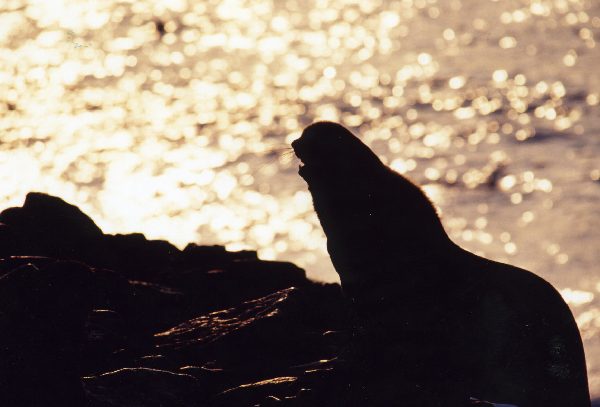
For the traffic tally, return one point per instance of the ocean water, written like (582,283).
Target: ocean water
(174,118)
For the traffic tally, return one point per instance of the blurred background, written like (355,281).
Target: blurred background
(174,118)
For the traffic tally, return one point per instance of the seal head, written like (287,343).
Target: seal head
(374,218)
(328,150)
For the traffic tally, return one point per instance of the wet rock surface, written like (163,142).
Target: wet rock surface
(118,320)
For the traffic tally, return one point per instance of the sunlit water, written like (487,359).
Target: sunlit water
(173,117)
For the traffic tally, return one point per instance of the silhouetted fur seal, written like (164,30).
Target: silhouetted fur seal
(434,316)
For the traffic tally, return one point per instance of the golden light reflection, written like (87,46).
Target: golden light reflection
(172,117)
(576,297)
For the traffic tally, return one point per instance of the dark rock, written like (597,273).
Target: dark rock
(7,240)
(288,334)
(211,256)
(282,327)
(254,393)
(9,264)
(42,318)
(137,257)
(233,281)
(137,387)
(63,320)
(106,334)
(48,226)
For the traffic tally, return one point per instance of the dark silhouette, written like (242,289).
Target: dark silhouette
(434,324)
(97,320)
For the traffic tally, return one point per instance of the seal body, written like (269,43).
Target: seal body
(430,315)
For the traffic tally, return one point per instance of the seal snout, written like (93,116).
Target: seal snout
(313,142)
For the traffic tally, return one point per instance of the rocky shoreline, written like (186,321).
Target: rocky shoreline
(88,318)
(99,320)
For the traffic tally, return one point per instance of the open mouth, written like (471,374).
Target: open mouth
(302,169)
(302,164)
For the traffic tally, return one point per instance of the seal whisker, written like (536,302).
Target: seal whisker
(278,150)
(284,154)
